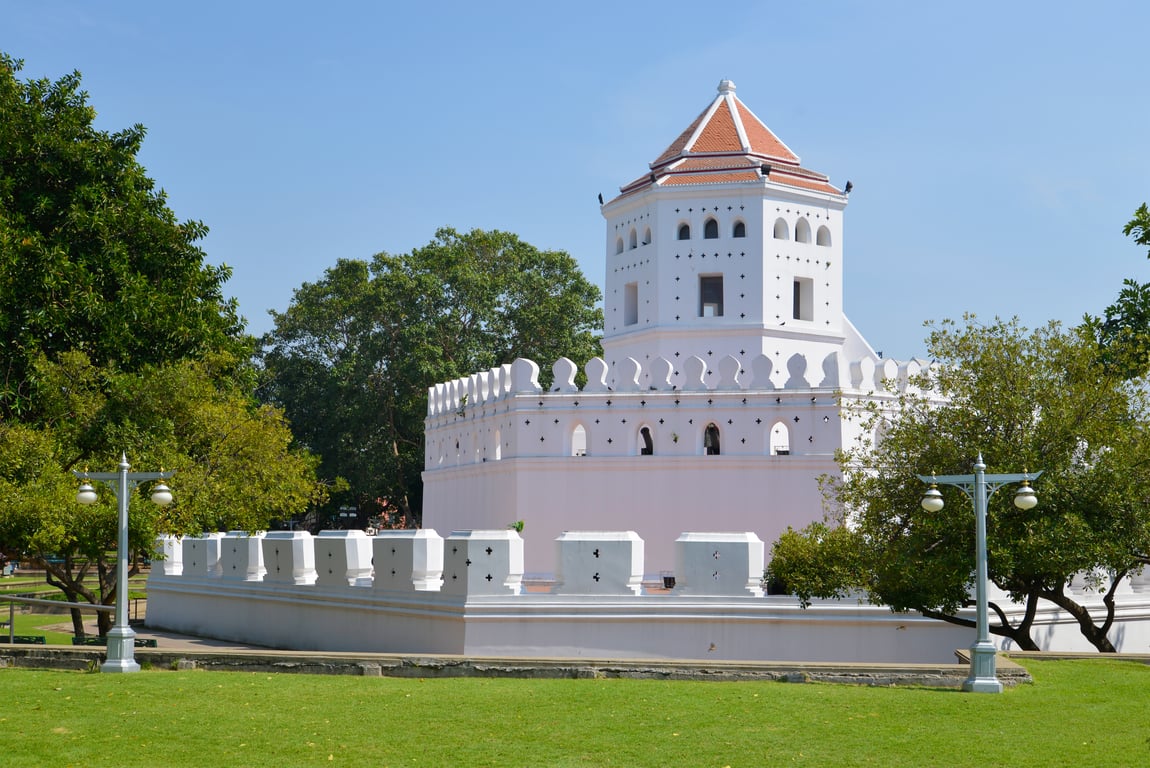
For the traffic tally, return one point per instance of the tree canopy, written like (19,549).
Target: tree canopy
(1123,332)
(351,359)
(1037,400)
(91,257)
(116,338)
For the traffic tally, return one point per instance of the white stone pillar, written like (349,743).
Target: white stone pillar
(241,556)
(289,557)
(599,563)
(343,558)
(719,564)
(408,561)
(202,555)
(483,563)
(170,556)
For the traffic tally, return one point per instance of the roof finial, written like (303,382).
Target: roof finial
(726,86)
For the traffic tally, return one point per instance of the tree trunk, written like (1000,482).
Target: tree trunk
(104,620)
(62,578)
(1019,634)
(1094,633)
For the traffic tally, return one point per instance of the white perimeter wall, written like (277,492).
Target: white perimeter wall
(656,499)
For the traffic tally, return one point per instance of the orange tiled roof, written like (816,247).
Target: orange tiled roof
(710,178)
(722,145)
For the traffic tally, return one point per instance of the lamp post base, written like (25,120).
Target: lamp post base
(983,672)
(121,651)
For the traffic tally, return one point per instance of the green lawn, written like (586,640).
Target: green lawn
(1076,713)
(33,623)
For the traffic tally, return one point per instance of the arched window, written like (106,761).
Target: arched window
(780,444)
(619,245)
(711,230)
(711,440)
(782,232)
(634,239)
(803,231)
(579,441)
(684,231)
(880,433)
(646,444)
(739,230)
(823,236)
(647,236)
(498,445)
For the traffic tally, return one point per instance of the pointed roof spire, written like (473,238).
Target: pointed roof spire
(728,126)
(727,142)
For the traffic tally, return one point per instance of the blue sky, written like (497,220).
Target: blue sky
(996,149)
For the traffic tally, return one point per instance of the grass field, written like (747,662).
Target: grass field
(1076,713)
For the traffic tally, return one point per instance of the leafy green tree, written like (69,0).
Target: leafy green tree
(115,337)
(1039,400)
(351,359)
(91,257)
(1123,333)
(235,464)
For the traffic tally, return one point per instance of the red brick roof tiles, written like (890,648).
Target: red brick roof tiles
(762,141)
(719,134)
(727,143)
(709,178)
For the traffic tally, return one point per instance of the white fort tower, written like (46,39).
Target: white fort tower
(696,440)
(726,351)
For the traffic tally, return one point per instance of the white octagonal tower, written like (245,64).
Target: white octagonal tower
(718,402)
(726,246)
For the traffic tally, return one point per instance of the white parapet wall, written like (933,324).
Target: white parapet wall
(201,555)
(343,557)
(289,557)
(407,561)
(718,612)
(658,449)
(719,564)
(599,563)
(481,563)
(241,556)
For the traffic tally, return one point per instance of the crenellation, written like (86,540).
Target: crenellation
(343,558)
(675,416)
(564,372)
(525,376)
(289,557)
(694,373)
(729,370)
(659,375)
(627,376)
(241,556)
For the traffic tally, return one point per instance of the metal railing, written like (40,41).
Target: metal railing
(13,599)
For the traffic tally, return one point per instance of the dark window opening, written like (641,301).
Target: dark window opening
(685,232)
(711,296)
(740,230)
(711,230)
(648,448)
(711,440)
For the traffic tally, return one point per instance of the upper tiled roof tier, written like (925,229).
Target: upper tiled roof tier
(727,143)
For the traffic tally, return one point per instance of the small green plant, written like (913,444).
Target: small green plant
(674,437)
(517,526)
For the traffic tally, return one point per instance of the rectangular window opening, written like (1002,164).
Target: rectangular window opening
(630,304)
(804,299)
(711,296)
